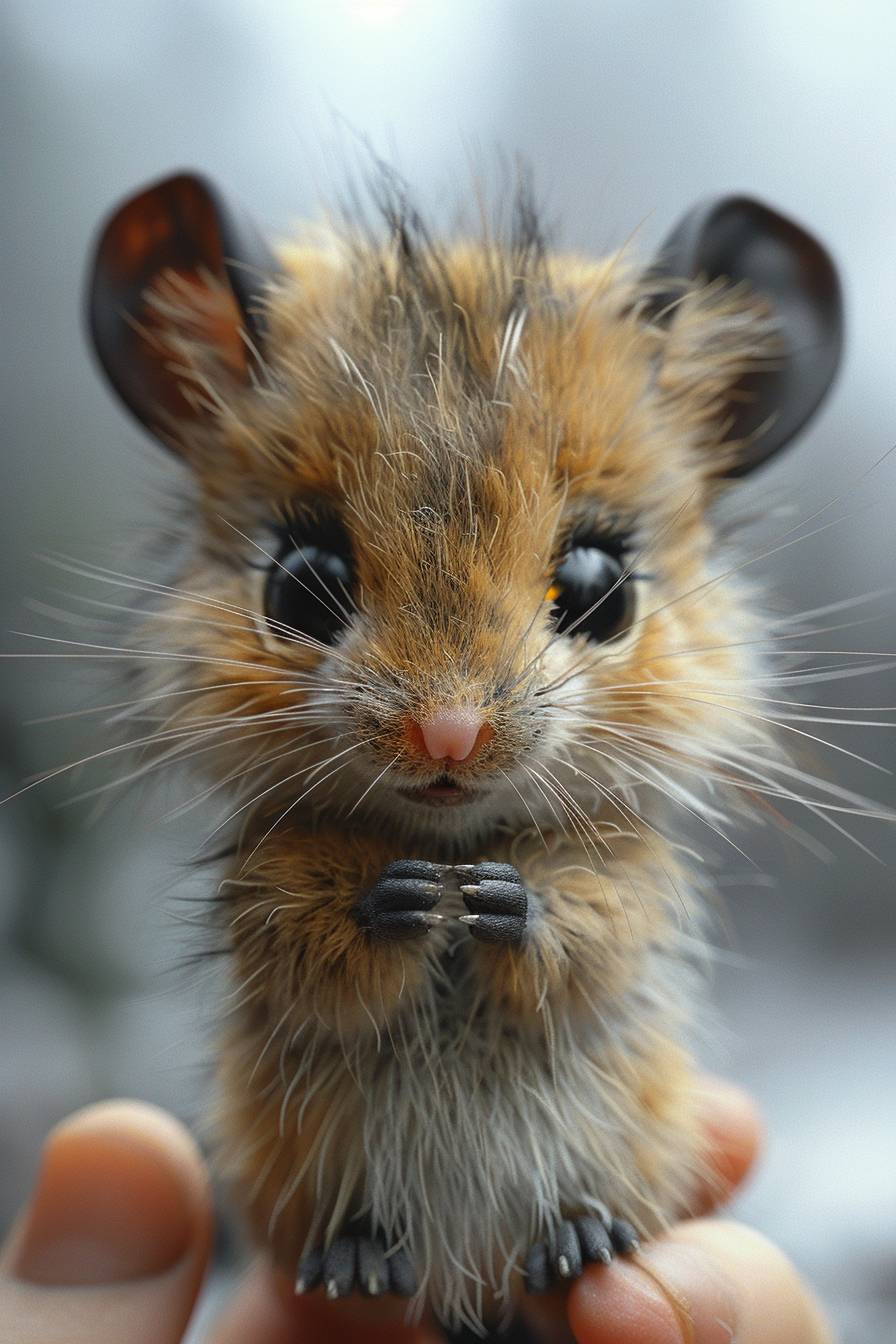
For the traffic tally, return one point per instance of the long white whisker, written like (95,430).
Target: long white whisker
(153,588)
(263,762)
(386,767)
(295,802)
(341,613)
(315,765)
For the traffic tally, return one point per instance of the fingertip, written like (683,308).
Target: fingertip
(733,1133)
(144,1138)
(727,1104)
(619,1304)
(146,1126)
(669,1293)
(767,1299)
(121,1193)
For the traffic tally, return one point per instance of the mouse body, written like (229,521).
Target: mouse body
(454,630)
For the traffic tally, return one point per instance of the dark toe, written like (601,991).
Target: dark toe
(567,1256)
(310,1271)
(624,1237)
(488,872)
(402,1278)
(536,1269)
(402,893)
(496,928)
(339,1266)
(373,1273)
(498,898)
(576,1242)
(397,925)
(414,868)
(594,1240)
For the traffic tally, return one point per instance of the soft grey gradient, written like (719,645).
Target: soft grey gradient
(628,111)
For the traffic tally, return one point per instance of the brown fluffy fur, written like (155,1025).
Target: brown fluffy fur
(460,408)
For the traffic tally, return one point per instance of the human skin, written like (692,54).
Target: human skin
(115,1239)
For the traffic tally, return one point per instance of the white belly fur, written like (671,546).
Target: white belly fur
(479,1137)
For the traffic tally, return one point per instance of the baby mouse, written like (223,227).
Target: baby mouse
(454,631)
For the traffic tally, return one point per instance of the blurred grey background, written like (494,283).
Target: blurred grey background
(629,110)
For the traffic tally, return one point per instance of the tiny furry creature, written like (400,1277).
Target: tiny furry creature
(454,623)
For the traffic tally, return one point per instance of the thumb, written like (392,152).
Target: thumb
(115,1239)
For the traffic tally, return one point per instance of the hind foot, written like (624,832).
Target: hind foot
(360,1264)
(577,1242)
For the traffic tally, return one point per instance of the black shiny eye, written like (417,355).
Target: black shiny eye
(589,594)
(308,589)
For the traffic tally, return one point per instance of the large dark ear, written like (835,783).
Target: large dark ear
(175,268)
(738,239)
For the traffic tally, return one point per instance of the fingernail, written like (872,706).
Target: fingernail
(112,1203)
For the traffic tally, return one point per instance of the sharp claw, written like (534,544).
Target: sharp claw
(470,890)
(308,1272)
(465,868)
(624,1237)
(563,1266)
(332,1289)
(468,919)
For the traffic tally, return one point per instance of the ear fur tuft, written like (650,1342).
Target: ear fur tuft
(742,242)
(175,269)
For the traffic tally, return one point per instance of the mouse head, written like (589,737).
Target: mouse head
(450,564)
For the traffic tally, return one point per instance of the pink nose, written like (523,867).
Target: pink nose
(453,733)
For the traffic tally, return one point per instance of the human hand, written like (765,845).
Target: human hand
(709,1281)
(114,1244)
(115,1241)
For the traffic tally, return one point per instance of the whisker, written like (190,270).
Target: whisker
(376,781)
(274,561)
(526,806)
(181,754)
(775,721)
(263,762)
(282,784)
(146,700)
(634,818)
(154,588)
(294,803)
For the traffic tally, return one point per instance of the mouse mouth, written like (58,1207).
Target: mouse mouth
(441,792)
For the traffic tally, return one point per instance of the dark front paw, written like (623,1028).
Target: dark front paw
(399,904)
(497,901)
